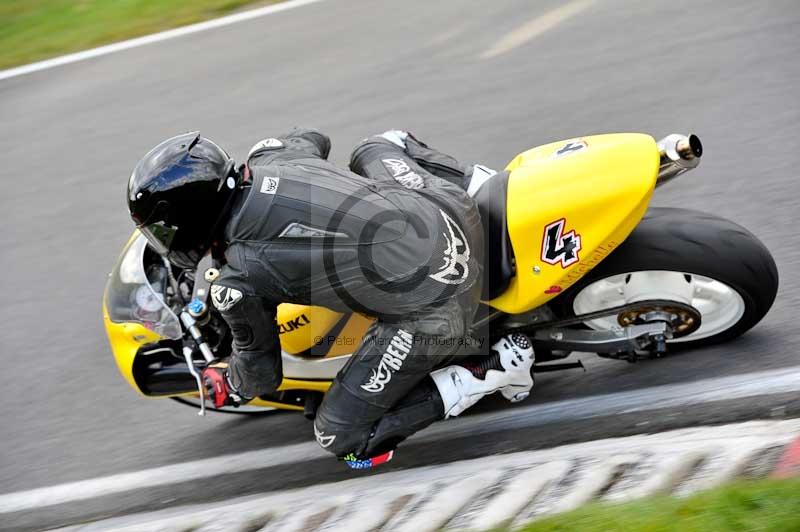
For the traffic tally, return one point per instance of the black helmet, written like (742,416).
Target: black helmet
(178,195)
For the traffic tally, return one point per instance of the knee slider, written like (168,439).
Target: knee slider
(337,438)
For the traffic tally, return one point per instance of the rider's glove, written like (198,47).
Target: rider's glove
(218,386)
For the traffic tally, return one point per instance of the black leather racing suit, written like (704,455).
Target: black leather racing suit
(392,240)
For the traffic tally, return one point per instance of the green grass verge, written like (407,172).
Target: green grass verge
(767,505)
(31,30)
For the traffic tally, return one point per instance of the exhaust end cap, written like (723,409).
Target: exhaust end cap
(695,145)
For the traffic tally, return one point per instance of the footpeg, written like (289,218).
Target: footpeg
(544,368)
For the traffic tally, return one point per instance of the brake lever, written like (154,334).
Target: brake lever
(187,354)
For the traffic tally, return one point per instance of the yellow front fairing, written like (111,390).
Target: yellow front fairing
(318,331)
(569,204)
(126,339)
(302,327)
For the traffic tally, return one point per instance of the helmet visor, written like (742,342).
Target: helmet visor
(160,236)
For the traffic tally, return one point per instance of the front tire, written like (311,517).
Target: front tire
(717,255)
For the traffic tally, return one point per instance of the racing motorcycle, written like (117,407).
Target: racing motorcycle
(575,259)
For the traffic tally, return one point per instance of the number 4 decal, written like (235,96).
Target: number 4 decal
(570,147)
(559,247)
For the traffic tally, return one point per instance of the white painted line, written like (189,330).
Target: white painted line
(519,492)
(654,474)
(295,521)
(593,480)
(535,27)
(769,382)
(674,395)
(442,504)
(159,476)
(720,467)
(355,515)
(153,38)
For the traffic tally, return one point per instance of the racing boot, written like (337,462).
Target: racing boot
(507,370)
(219,388)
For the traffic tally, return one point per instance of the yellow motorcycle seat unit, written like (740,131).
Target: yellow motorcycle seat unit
(571,203)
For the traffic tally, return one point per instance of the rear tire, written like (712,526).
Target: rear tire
(695,243)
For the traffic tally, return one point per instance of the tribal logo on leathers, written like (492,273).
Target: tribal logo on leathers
(323,440)
(224,298)
(391,361)
(456,254)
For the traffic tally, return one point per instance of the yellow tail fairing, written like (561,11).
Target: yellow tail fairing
(570,204)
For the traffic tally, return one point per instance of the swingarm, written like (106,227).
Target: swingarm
(643,331)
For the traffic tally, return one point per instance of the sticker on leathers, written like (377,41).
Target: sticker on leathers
(270,185)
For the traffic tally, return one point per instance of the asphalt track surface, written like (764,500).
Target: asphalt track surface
(69,137)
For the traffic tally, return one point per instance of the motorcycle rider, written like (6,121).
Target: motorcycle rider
(397,238)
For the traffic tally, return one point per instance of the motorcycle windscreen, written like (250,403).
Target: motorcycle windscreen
(136,295)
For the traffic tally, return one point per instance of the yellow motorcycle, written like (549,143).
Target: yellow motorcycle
(574,258)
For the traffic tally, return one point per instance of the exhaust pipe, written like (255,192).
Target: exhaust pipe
(679,154)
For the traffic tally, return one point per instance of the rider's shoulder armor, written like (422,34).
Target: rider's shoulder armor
(312,201)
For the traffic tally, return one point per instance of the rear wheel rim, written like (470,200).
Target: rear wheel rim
(719,304)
